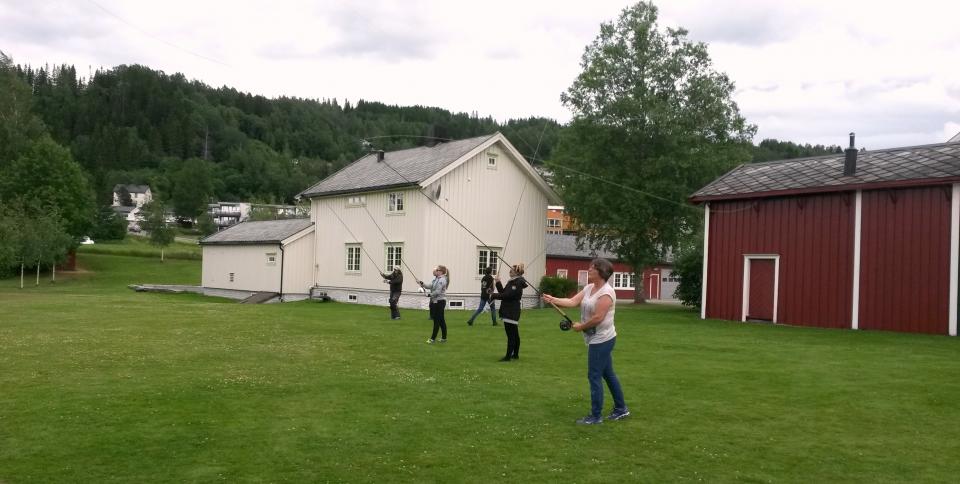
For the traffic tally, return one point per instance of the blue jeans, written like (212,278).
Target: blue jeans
(600,366)
(493,311)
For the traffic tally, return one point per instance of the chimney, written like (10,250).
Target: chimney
(850,161)
(380,156)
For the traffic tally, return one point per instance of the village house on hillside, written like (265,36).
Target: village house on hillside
(864,240)
(127,201)
(388,207)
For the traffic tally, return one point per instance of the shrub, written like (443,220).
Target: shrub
(558,286)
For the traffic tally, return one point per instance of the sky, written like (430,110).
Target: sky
(808,72)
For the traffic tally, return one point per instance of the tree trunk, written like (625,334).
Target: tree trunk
(638,289)
(53,273)
(161,254)
(38,273)
(21,275)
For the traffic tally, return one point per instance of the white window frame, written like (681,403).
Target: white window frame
(353,256)
(353,298)
(455,304)
(484,254)
(620,277)
(492,161)
(395,202)
(392,260)
(271,258)
(562,273)
(582,276)
(554,223)
(356,201)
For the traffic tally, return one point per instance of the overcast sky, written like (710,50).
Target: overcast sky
(807,71)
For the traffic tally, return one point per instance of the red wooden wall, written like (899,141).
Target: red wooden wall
(905,260)
(813,235)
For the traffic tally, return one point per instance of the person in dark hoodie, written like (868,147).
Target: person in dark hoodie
(510,296)
(486,287)
(395,279)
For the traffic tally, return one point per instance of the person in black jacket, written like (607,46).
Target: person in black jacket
(395,279)
(510,309)
(486,287)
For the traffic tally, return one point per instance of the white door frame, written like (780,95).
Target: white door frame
(657,296)
(746,281)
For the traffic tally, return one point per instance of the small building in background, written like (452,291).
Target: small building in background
(559,221)
(565,259)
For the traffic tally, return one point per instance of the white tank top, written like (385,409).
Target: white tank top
(605,330)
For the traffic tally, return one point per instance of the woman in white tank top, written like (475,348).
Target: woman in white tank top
(597,303)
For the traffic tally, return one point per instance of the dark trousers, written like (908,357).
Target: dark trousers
(600,369)
(394,311)
(439,323)
(513,339)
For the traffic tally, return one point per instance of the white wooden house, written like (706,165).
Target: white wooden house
(407,204)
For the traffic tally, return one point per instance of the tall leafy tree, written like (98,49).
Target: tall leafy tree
(651,113)
(154,221)
(18,125)
(192,188)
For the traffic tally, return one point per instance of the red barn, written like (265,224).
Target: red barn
(565,259)
(864,240)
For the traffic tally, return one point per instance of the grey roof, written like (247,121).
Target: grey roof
(262,232)
(888,167)
(399,168)
(566,246)
(132,188)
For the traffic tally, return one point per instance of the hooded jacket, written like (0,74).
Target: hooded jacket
(510,295)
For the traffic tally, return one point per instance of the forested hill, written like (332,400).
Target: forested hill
(133,124)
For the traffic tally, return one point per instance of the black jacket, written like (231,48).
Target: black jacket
(510,295)
(486,285)
(396,281)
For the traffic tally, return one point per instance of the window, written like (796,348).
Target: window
(395,202)
(492,161)
(231,277)
(394,256)
(670,276)
(352,298)
(353,258)
(581,278)
(356,201)
(456,304)
(271,258)
(562,273)
(487,256)
(622,280)
(553,223)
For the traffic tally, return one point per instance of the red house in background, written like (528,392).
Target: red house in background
(565,259)
(864,240)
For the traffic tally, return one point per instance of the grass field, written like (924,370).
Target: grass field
(133,245)
(102,384)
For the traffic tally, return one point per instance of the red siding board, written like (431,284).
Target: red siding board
(905,257)
(813,236)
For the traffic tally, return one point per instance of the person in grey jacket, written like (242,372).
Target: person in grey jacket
(438,302)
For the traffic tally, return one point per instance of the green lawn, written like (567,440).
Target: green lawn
(102,384)
(133,245)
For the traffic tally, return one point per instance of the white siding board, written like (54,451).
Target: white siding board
(247,262)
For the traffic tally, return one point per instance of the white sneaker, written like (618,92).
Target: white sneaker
(430,341)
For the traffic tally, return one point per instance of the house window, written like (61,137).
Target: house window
(622,280)
(456,304)
(352,298)
(562,273)
(670,276)
(487,256)
(581,278)
(492,161)
(395,202)
(356,201)
(553,223)
(231,277)
(271,258)
(353,258)
(394,256)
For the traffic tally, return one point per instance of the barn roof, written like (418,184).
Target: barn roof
(399,168)
(261,232)
(907,166)
(565,246)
